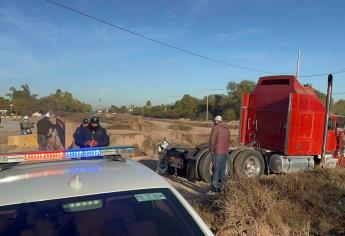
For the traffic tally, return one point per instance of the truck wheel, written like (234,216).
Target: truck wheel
(207,168)
(249,163)
(203,153)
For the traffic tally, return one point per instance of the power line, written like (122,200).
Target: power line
(323,74)
(157,41)
(180,49)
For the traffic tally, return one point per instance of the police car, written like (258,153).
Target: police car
(89,191)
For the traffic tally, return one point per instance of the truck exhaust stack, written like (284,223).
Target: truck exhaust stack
(328,110)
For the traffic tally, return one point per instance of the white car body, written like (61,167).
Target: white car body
(25,183)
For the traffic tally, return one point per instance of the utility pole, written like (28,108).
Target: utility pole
(298,62)
(207,108)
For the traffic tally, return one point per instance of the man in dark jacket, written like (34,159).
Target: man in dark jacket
(79,130)
(43,126)
(93,135)
(219,147)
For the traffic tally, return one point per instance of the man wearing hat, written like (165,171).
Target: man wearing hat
(83,125)
(93,135)
(219,147)
(43,126)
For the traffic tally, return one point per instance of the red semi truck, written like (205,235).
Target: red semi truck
(282,130)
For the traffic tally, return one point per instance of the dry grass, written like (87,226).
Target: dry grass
(180,127)
(309,203)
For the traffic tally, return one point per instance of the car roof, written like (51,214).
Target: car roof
(63,179)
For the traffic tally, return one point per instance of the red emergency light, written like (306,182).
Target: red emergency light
(69,154)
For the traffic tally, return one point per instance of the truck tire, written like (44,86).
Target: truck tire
(231,159)
(207,168)
(249,163)
(200,160)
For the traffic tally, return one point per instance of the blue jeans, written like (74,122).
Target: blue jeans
(219,168)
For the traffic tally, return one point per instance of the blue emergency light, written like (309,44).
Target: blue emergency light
(69,154)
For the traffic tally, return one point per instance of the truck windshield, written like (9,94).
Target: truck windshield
(143,212)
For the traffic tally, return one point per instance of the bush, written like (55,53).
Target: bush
(229,115)
(180,127)
(307,203)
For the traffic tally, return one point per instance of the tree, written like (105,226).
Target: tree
(123,109)
(229,115)
(23,100)
(63,102)
(148,103)
(23,93)
(3,103)
(137,111)
(339,109)
(235,92)
(186,107)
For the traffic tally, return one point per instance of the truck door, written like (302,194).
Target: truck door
(270,128)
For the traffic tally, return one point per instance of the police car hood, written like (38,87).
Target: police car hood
(64,179)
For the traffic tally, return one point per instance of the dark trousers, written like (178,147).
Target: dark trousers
(42,142)
(219,168)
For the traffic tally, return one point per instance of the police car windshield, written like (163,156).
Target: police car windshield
(141,212)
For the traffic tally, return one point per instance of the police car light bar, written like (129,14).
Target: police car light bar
(69,154)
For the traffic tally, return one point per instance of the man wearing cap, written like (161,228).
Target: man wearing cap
(93,135)
(43,126)
(82,126)
(219,147)
(25,126)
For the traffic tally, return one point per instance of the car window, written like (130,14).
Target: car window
(142,212)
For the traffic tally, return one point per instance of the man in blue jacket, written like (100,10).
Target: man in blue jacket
(93,135)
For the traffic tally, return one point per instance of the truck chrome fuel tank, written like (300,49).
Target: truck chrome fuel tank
(288,164)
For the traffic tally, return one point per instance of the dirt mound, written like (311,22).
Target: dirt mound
(309,203)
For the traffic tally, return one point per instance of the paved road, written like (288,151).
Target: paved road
(12,126)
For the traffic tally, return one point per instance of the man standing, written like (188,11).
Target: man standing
(43,126)
(79,130)
(219,147)
(93,135)
(25,126)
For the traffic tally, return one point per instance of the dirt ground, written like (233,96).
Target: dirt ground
(310,203)
(144,134)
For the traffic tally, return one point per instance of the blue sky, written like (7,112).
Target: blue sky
(48,47)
